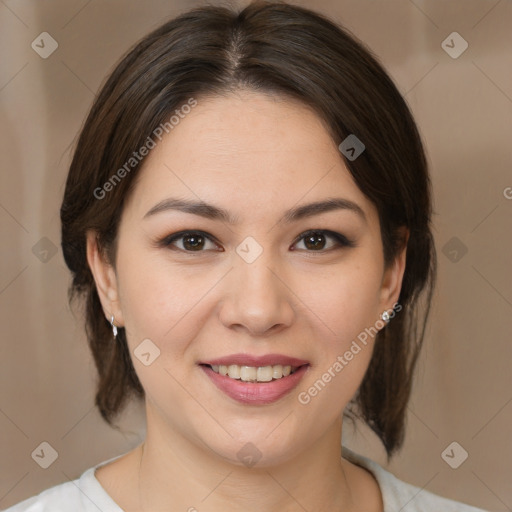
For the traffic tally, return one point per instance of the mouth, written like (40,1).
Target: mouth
(255,380)
(254,373)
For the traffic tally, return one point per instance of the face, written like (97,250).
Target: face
(270,279)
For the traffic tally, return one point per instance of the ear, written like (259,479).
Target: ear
(105,278)
(393,275)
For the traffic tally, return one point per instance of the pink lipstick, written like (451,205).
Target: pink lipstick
(289,371)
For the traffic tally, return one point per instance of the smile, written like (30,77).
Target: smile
(253,373)
(255,385)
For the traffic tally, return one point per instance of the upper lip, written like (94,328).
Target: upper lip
(249,360)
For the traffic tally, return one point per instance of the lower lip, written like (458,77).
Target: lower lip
(256,393)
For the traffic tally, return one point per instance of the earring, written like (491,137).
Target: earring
(114,328)
(385,316)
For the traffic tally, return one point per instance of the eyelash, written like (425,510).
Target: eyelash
(341,240)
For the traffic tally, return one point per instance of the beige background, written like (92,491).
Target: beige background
(464,110)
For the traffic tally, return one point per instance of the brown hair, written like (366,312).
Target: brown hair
(271,48)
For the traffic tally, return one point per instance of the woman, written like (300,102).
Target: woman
(247,218)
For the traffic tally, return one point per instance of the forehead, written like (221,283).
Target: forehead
(247,152)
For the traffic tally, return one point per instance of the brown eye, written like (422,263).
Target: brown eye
(316,241)
(189,241)
(193,242)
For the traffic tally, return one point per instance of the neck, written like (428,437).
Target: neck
(178,474)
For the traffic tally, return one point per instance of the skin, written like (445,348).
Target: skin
(256,156)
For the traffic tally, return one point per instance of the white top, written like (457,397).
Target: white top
(85,494)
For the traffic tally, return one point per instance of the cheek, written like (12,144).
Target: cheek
(343,307)
(168,306)
(346,300)
(162,302)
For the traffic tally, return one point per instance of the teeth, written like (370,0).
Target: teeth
(253,373)
(277,371)
(248,373)
(234,371)
(265,374)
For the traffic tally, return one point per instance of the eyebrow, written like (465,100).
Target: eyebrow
(215,213)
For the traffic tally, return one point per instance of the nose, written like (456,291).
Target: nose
(256,298)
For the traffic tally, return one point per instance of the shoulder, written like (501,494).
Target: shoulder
(399,495)
(85,494)
(58,498)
